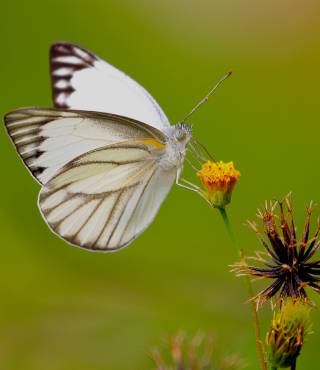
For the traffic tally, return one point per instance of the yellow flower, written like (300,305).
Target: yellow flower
(218,179)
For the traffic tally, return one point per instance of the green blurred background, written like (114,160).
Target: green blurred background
(65,308)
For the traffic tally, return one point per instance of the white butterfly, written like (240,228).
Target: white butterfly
(104,176)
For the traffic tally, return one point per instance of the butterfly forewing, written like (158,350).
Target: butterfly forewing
(81,80)
(47,139)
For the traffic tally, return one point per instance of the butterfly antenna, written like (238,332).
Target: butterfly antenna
(207,96)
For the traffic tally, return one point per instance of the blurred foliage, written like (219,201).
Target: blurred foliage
(193,353)
(65,308)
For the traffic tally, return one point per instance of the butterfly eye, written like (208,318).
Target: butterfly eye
(180,134)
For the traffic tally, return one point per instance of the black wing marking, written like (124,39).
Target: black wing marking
(65,60)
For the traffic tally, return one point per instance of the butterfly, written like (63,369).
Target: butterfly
(106,155)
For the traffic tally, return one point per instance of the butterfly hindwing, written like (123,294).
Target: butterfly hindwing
(81,80)
(99,203)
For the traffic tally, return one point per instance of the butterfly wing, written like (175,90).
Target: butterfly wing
(104,199)
(47,139)
(81,80)
(102,181)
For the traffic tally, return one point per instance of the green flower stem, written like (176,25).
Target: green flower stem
(228,226)
(294,365)
(255,316)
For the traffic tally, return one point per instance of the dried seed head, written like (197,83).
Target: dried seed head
(289,262)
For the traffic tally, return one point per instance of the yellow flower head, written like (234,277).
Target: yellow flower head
(218,179)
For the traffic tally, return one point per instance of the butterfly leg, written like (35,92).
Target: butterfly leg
(190,186)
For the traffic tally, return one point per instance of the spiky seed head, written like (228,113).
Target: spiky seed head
(290,262)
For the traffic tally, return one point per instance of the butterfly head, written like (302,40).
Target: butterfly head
(178,137)
(182,132)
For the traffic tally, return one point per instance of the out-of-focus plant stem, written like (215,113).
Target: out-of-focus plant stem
(255,315)
(294,365)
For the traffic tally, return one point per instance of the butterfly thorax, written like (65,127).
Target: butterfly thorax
(178,137)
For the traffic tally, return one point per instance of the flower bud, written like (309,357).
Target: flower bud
(288,330)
